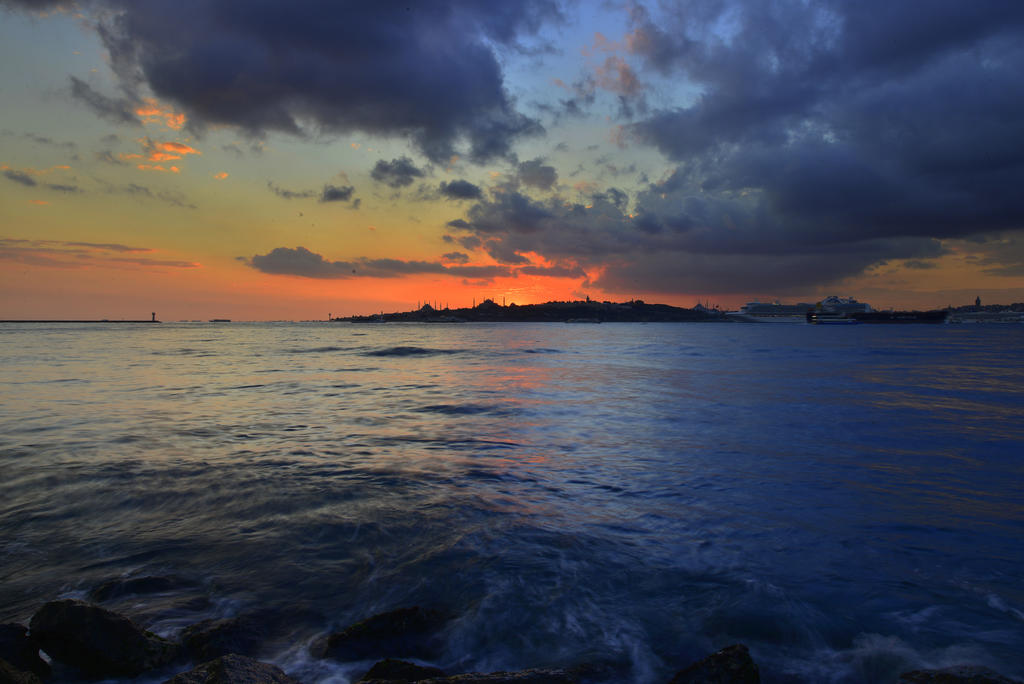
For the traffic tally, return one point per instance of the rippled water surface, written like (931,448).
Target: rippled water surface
(846,501)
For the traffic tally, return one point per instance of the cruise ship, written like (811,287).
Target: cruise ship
(763,312)
(773,312)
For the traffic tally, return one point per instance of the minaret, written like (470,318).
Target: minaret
(153,319)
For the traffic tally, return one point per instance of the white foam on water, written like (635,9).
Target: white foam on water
(297,662)
(997,602)
(882,658)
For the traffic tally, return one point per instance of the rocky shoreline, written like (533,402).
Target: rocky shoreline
(84,640)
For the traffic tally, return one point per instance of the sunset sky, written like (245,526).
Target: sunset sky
(259,159)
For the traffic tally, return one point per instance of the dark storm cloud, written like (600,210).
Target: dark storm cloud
(536,174)
(397,173)
(818,140)
(34,4)
(505,212)
(671,242)
(503,252)
(554,271)
(850,120)
(302,262)
(427,72)
(460,190)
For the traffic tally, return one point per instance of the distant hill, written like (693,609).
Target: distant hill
(994,308)
(553,312)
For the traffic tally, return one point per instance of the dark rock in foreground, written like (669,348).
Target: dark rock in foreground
(12,675)
(250,634)
(233,669)
(960,674)
(97,641)
(731,665)
(211,639)
(392,670)
(20,651)
(402,632)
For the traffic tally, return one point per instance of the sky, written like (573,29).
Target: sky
(272,160)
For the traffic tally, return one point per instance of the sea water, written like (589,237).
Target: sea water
(844,500)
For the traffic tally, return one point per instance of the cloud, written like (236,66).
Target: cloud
(554,271)
(35,5)
(616,75)
(115,110)
(152,111)
(300,261)
(290,194)
(329,193)
(107,157)
(536,174)
(507,212)
(61,187)
(235,149)
(397,173)
(76,255)
(459,190)
(175,199)
(672,241)
(158,167)
(171,197)
(48,141)
(26,178)
(334,193)
(811,142)
(920,265)
(20,177)
(310,66)
(156,151)
(455,257)
(103,246)
(849,121)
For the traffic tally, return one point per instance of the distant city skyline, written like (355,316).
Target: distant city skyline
(260,161)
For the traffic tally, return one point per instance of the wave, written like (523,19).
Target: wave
(411,351)
(461,409)
(184,351)
(316,350)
